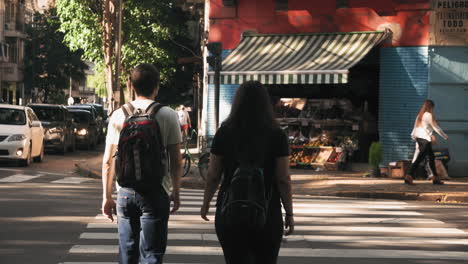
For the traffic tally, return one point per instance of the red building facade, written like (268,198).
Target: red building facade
(409,22)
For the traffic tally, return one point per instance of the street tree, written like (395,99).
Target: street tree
(152,31)
(49,63)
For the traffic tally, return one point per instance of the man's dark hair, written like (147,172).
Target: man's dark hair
(145,79)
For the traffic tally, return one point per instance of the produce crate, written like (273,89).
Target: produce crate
(324,154)
(398,169)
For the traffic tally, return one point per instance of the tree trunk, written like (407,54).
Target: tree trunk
(108,10)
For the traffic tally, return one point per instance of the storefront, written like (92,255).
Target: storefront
(324,87)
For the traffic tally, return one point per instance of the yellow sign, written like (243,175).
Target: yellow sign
(449,23)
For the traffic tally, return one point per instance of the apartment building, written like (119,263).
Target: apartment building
(13,17)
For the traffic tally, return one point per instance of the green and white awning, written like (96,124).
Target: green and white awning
(297,59)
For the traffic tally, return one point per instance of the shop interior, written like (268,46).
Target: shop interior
(331,125)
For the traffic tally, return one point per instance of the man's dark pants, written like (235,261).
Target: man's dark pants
(142,223)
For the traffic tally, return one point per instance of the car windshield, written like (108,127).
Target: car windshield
(10,116)
(48,113)
(81,117)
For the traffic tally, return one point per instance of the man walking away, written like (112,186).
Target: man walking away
(139,133)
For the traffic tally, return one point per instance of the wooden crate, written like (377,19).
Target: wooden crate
(399,170)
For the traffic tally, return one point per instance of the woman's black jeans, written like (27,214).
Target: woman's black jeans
(425,151)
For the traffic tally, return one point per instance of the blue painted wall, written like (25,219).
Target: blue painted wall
(448,87)
(403,89)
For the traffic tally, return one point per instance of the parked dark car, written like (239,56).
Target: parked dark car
(102,113)
(58,127)
(96,116)
(86,133)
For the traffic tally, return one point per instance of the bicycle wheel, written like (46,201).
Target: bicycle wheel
(187,161)
(203,165)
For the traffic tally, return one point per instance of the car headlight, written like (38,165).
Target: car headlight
(82,132)
(17,137)
(55,130)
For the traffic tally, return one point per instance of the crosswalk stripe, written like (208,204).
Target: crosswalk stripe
(376,240)
(312,206)
(19,178)
(294,252)
(315,220)
(72,180)
(389,229)
(314,200)
(112,263)
(315,211)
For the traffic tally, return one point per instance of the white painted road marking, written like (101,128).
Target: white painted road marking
(294,252)
(373,240)
(72,180)
(19,178)
(330,228)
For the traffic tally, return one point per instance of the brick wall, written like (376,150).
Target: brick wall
(403,88)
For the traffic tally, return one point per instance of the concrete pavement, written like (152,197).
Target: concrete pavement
(344,184)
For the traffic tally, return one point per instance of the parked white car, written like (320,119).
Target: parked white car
(21,134)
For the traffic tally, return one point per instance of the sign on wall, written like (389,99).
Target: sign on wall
(449,23)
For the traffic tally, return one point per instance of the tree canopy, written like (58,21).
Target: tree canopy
(49,62)
(152,32)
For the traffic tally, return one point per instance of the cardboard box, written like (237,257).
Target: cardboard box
(399,169)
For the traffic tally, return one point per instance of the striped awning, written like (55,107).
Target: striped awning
(297,59)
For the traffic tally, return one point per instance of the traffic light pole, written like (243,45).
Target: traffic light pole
(215,61)
(217,75)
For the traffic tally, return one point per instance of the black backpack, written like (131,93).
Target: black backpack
(245,201)
(141,157)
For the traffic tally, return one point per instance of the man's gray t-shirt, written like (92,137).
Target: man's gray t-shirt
(169,126)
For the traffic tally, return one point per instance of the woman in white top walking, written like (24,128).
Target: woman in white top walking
(424,127)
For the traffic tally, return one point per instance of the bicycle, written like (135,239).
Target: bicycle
(188,159)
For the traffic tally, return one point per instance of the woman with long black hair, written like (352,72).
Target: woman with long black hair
(252,134)
(423,131)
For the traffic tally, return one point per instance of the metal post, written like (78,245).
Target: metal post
(217,89)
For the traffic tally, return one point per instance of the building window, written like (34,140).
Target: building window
(12,50)
(342,3)
(281,5)
(229,3)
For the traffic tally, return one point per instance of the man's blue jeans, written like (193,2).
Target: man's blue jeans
(142,222)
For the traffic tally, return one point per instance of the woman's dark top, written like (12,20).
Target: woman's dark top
(276,146)
(242,246)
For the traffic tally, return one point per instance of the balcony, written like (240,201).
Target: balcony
(15,31)
(11,72)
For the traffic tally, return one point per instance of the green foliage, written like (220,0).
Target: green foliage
(375,154)
(58,97)
(49,62)
(150,29)
(98,80)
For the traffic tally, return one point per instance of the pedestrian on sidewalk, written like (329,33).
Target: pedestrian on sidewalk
(184,120)
(251,136)
(142,209)
(423,134)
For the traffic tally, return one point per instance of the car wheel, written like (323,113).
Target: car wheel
(40,158)
(27,161)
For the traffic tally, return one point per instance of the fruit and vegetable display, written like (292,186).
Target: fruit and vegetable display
(321,131)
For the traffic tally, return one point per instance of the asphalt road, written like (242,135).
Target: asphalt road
(49,215)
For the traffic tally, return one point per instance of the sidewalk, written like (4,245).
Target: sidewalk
(344,184)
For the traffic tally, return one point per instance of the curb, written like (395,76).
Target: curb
(191,182)
(433,197)
(83,170)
